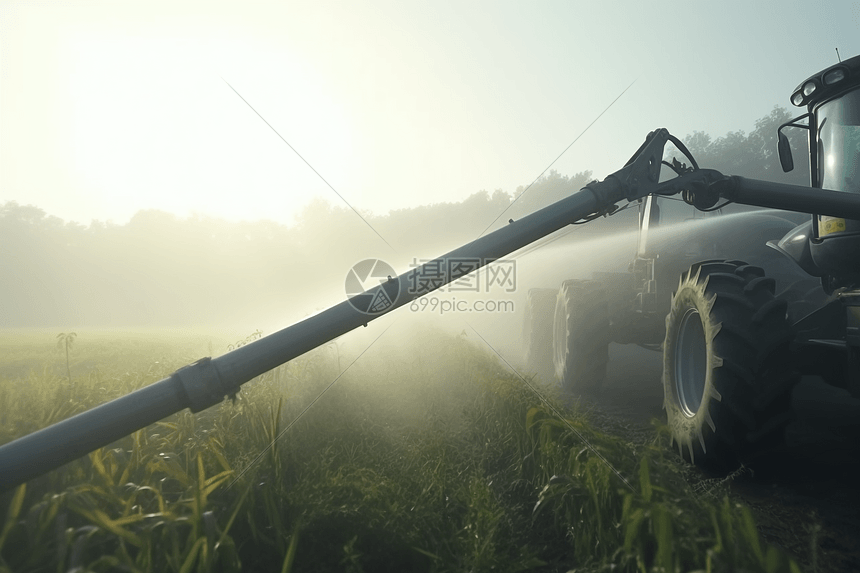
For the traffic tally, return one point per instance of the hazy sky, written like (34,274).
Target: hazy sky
(111,107)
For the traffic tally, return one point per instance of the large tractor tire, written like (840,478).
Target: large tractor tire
(803,297)
(582,336)
(537,332)
(727,377)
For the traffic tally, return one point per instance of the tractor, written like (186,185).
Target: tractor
(744,306)
(733,349)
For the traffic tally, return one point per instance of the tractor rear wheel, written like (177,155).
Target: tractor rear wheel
(537,332)
(727,378)
(582,336)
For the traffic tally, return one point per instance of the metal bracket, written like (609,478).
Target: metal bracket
(203,384)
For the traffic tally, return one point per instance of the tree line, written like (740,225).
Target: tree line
(162,270)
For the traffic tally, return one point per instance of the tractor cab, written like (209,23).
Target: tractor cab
(828,247)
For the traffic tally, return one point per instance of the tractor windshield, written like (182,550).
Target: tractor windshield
(839,143)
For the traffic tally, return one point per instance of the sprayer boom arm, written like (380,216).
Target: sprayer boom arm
(207,381)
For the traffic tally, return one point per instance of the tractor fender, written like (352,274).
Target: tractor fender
(745,231)
(725,236)
(795,246)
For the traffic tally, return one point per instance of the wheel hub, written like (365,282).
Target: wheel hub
(690,363)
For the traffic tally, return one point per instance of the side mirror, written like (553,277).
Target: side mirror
(784,148)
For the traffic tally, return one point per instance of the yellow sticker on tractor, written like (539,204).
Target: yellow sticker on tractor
(828,225)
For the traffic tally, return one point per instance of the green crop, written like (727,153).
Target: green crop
(426,455)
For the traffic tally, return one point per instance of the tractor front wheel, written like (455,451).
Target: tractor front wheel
(727,377)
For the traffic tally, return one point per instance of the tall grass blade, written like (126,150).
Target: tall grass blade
(287,567)
(102,520)
(645,480)
(188,564)
(12,514)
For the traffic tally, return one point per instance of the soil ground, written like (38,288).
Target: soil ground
(806,500)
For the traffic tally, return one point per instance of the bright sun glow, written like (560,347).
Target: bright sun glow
(109,107)
(155,125)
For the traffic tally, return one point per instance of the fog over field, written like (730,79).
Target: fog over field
(225,167)
(178,179)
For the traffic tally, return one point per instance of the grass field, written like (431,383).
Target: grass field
(426,455)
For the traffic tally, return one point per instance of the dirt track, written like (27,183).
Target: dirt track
(802,498)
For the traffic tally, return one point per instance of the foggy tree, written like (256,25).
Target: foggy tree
(162,270)
(436,228)
(753,155)
(546,190)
